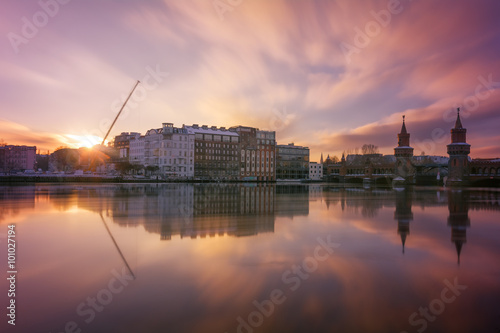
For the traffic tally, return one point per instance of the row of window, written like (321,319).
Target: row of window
(211,165)
(175,169)
(216,137)
(216,172)
(169,144)
(252,152)
(216,158)
(258,159)
(265,142)
(216,151)
(216,145)
(164,153)
(266,135)
(297,151)
(253,165)
(175,161)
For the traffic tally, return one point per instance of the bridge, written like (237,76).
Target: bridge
(421,170)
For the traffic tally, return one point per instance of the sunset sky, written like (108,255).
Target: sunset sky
(331,75)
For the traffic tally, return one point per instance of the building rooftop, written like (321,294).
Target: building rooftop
(209,130)
(291,145)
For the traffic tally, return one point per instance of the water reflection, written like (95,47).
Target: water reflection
(403,215)
(202,254)
(458,220)
(200,210)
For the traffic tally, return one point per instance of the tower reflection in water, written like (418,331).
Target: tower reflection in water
(458,219)
(208,210)
(403,214)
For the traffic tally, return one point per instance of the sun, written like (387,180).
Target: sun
(85,141)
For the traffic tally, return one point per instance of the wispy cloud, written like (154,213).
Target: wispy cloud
(264,55)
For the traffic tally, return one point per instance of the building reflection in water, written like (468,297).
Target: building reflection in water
(182,282)
(233,210)
(14,199)
(403,214)
(198,210)
(208,210)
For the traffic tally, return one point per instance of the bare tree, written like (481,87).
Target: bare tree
(369,149)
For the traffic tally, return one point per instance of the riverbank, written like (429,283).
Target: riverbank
(20,179)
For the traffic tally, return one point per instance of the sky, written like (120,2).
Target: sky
(330,75)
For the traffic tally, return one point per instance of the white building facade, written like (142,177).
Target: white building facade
(169,148)
(315,171)
(136,150)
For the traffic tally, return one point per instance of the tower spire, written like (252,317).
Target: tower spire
(403,128)
(458,123)
(403,149)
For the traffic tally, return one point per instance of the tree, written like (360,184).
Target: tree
(124,167)
(368,149)
(65,159)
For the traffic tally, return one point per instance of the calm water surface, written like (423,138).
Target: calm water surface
(251,258)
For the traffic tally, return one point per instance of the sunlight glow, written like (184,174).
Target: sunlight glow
(78,141)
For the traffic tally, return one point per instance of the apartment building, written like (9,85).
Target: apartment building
(256,155)
(17,158)
(215,152)
(169,148)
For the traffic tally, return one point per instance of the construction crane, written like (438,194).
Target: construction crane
(100,213)
(116,118)
(100,155)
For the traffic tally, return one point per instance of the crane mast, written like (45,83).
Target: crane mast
(118,115)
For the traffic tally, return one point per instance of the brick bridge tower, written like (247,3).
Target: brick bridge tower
(458,150)
(404,153)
